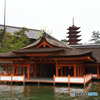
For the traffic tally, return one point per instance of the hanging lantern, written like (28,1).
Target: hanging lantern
(58,67)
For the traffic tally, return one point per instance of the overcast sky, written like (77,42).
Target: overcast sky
(54,15)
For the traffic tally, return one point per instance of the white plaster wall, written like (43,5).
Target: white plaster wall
(5,78)
(17,78)
(78,80)
(61,79)
(95,75)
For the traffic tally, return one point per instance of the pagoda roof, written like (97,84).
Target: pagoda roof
(74,40)
(72,36)
(73,28)
(73,32)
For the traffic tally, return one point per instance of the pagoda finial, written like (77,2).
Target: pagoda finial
(73,21)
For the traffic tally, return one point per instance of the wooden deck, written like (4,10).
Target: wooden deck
(55,79)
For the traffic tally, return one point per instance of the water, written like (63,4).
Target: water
(47,92)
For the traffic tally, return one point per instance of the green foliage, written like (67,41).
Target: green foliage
(41,32)
(47,30)
(64,40)
(96,37)
(1,36)
(14,42)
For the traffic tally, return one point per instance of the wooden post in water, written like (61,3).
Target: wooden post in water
(68,80)
(11,78)
(54,80)
(38,84)
(35,70)
(23,79)
(98,72)
(84,81)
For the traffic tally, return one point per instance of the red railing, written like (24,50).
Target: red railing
(20,78)
(72,79)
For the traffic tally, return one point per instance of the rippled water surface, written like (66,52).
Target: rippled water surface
(47,92)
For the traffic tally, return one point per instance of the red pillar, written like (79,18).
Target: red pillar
(61,70)
(56,69)
(13,68)
(6,69)
(16,70)
(97,71)
(35,71)
(74,70)
(28,70)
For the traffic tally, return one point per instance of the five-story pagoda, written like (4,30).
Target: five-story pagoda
(73,35)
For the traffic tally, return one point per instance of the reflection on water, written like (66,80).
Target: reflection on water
(47,92)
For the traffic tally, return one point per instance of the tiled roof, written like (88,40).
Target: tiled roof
(58,46)
(32,34)
(95,48)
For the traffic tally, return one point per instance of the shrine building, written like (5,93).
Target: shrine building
(50,61)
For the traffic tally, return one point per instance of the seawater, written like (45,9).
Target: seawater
(48,91)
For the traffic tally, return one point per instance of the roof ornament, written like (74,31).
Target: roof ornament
(44,33)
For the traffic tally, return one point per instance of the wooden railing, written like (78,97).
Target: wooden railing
(94,75)
(70,79)
(87,77)
(19,78)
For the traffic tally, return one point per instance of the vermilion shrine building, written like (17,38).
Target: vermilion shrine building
(50,61)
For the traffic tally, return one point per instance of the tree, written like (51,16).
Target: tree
(16,41)
(8,38)
(64,40)
(95,37)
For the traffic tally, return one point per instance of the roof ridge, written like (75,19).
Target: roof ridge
(19,27)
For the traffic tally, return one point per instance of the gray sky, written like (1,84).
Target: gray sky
(54,15)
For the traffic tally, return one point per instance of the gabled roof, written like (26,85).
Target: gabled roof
(95,48)
(57,46)
(50,40)
(39,50)
(10,55)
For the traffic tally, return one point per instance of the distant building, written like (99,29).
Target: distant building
(73,35)
(33,34)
